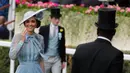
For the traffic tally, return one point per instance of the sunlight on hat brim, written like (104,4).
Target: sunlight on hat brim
(32,15)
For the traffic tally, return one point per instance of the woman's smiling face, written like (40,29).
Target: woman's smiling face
(30,24)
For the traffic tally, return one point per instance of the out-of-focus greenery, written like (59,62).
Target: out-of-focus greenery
(5,62)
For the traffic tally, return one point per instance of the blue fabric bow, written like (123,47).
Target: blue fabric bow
(34,43)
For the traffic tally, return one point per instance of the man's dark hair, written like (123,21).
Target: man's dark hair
(57,17)
(106,33)
(38,23)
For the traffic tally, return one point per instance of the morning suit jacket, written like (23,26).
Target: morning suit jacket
(97,57)
(45,31)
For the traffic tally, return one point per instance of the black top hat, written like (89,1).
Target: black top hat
(106,18)
(55,12)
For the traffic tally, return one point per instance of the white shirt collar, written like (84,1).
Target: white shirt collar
(101,37)
(52,25)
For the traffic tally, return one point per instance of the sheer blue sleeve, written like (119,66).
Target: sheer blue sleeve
(16,45)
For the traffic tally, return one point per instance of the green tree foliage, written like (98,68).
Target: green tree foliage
(4,60)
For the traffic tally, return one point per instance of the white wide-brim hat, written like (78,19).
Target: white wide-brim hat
(38,15)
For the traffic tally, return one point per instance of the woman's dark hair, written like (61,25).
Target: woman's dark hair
(38,23)
(106,32)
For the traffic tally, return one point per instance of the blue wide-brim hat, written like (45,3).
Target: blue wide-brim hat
(38,14)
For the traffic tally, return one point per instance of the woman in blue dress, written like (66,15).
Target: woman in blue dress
(28,46)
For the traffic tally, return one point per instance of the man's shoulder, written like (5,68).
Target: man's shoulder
(116,50)
(44,26)
(86,45)
(61,27)
(83,49)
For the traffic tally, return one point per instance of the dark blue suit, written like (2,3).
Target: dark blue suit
(4,33)
(5,11)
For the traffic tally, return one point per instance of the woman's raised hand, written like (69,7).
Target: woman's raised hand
(24,35)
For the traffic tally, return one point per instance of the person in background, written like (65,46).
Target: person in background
(3,29)
(77,2)
(55,1)
(54,39)
(100,56)
(5,5)
(28,45)
(44,1)
(123,3)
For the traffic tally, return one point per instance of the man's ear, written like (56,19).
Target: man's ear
(113,33)
(97,31)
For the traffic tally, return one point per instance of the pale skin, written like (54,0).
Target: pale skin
(56,21)
(30,25)
(2,20)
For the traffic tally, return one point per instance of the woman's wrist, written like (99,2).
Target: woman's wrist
(21,42)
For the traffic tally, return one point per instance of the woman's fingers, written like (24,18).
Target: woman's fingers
(24,34)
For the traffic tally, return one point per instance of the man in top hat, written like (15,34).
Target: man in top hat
(99,56)
(54,40)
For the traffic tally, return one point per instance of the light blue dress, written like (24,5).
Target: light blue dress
(28,53)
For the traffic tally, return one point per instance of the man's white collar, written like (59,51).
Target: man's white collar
(52,25)
(101,37)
